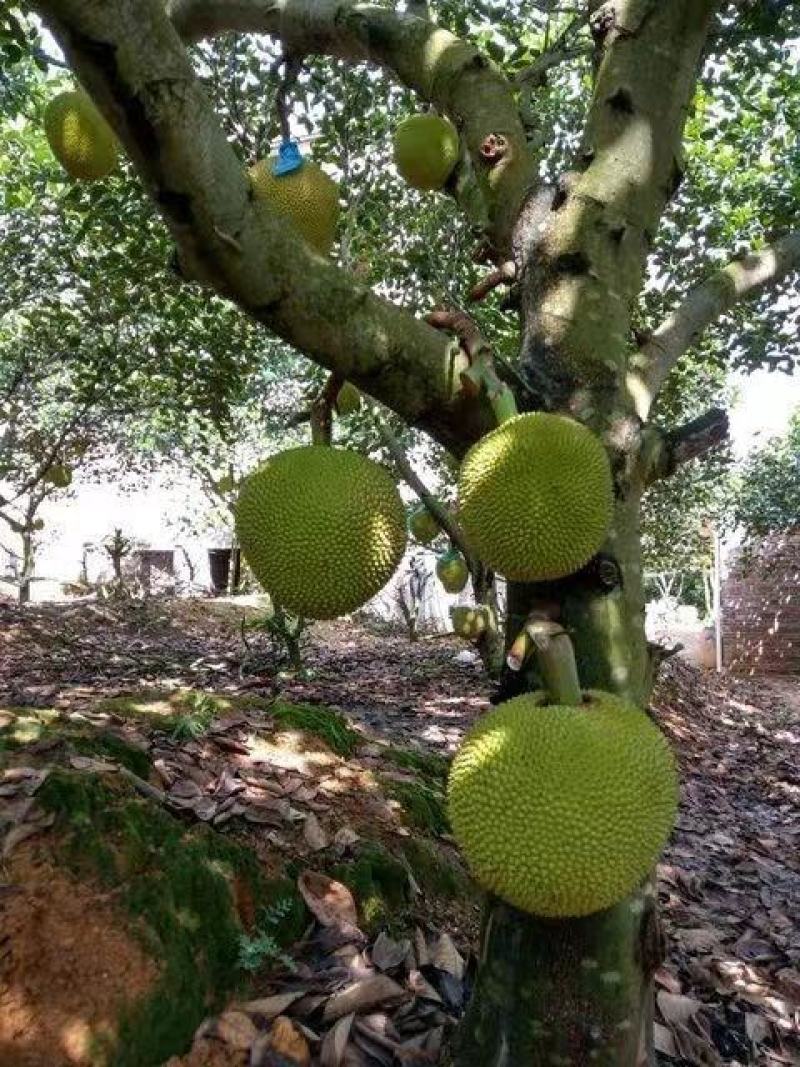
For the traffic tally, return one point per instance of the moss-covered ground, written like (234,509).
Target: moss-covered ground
(195,896)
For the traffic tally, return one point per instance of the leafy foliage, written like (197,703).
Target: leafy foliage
(767,498)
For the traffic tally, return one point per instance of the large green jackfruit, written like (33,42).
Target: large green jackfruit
(426,150)
(79,137)
(562,811)
(323,529)
(536,496)
(307,196)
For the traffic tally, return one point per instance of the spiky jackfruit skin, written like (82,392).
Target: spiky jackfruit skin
(423,526)
(79,137)
(426,150)
(536,497)
(348,400)
(307,196)
(452,571)
(562,811)
(323,529)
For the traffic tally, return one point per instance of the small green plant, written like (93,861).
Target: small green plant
(263,946)
(191,724)
(287,634)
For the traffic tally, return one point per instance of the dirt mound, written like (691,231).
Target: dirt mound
(68,967)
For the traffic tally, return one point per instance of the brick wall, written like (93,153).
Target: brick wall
(761,608)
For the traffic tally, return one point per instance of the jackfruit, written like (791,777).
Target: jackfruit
(79,137)
(563,811)
(226,484)
(426,150)
(423,526)
(536,497)
(323,529)
(348,400)
(471,622)
(452,571)
(58,475)
(307,196)
(38,524)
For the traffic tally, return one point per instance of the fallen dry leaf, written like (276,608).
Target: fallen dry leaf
(287,1041)
(446,956)
(315,837)
(363,996)
(335,1043)
(270,1007)
(236,1029)
(330,901)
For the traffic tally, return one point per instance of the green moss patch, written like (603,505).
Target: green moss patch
(436,872)
(428,765)
(424,807)
(329,726)
(379,883)
(29,726)
(182,887)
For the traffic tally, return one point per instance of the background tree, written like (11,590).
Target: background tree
(767,496)
(573,151)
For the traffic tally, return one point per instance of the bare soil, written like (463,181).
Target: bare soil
(68,966)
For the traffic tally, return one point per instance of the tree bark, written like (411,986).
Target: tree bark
(28,566)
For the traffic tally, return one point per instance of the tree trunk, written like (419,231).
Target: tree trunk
(28,566)
(574,991)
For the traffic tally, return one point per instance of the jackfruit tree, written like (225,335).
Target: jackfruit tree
(585,131)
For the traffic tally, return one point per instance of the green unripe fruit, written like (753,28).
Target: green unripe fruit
(536,497)
(452,571)
(471,622)
(563,811)
(424,528)
(323,529)
(58,475)
(348,400)
(307,196)
(79,137)
(426,150)
(38,524)
(226,484)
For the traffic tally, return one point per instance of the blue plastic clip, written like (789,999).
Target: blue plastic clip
(289,159)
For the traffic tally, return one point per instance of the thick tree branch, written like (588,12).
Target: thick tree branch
(739,280)
(132,61)
(440,67)
(665,452)
(581,260)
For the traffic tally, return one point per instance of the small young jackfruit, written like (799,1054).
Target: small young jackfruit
(58,475)
(471,622)
(452,571)
(79,137)
(562,811)
(226,484)
(348,400)
(536,496)
(424,528)
(426,150)
(323,529)
(38,524)
(307,196)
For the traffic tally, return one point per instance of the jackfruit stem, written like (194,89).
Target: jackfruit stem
(555,658)
(504,404)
